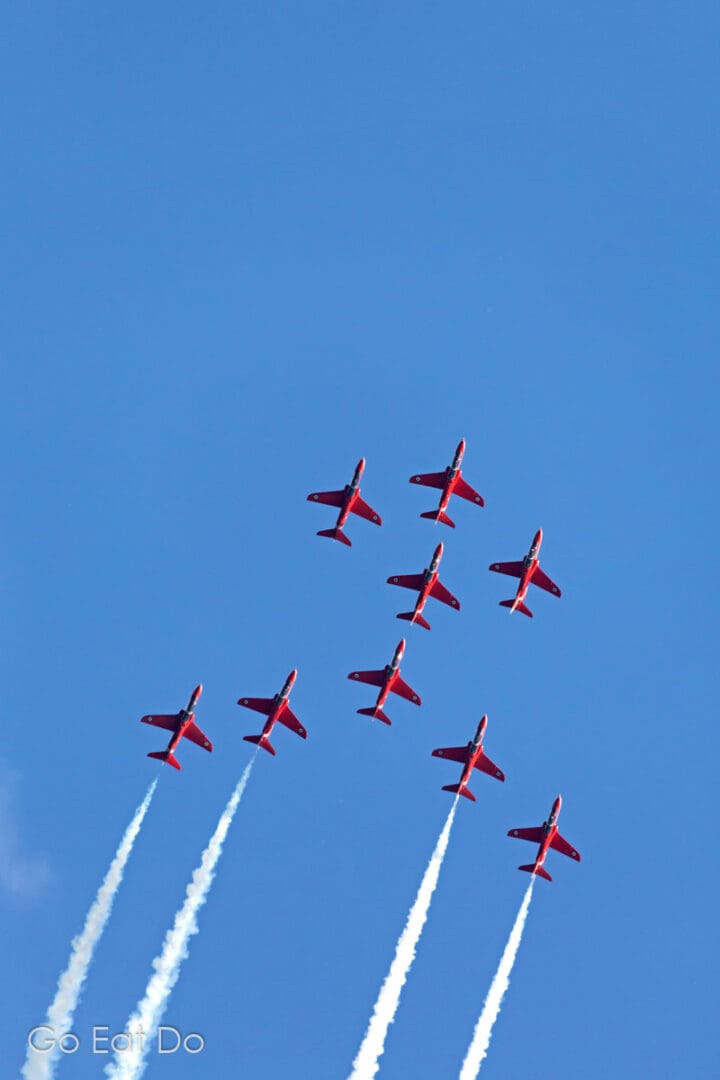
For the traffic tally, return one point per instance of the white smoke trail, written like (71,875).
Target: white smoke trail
(366,1064)
(41,1066)
(483,1029)
(130,1063)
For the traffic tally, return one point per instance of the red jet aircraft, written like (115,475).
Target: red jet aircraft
(389,682)
(547,836)
(473,757)
(349,502)
(427,584)
(182,725)
(451,483)
(275,708)
(529,572)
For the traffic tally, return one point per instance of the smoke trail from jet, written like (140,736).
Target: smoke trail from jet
(367,1062)
(483,1029)
(131,1063)
(41,1066)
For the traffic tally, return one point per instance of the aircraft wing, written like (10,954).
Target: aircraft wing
(533,835)
(290,720)
(375,678)
(330,498)
(361,508)
(487,766)
(408,581)
(430,479)
(541,579)
(512,569)
(463,489)
(559,843)
(194,734)
(452,753)
(170,723)
(259,704)
(444,595)
(400,687)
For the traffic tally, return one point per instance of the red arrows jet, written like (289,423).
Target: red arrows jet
(389,682)
(427,584)
(451,483)
(547,836)
(349,502)
(529,572)
(275,708)
(473,757)
(182,725)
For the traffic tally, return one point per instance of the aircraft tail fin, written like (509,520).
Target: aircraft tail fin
(410,616)
(377,714)
(336,534)
(530,868)
(438,515)
(460,789)
(517,605)
(259,741)
(166,756)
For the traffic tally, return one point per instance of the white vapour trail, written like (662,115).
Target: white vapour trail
(367,1062)
(41,1066)
(483,1029)
(130,1063)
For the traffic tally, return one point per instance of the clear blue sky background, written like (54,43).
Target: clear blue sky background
(242,247)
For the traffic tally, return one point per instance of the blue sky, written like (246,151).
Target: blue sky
(243,248)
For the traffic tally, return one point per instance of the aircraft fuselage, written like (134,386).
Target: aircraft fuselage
(475,748)
(549,830)
(392,672)
(352,493)
(530,564)
(430,576)
(280,703)
(452,474)
(185,718)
